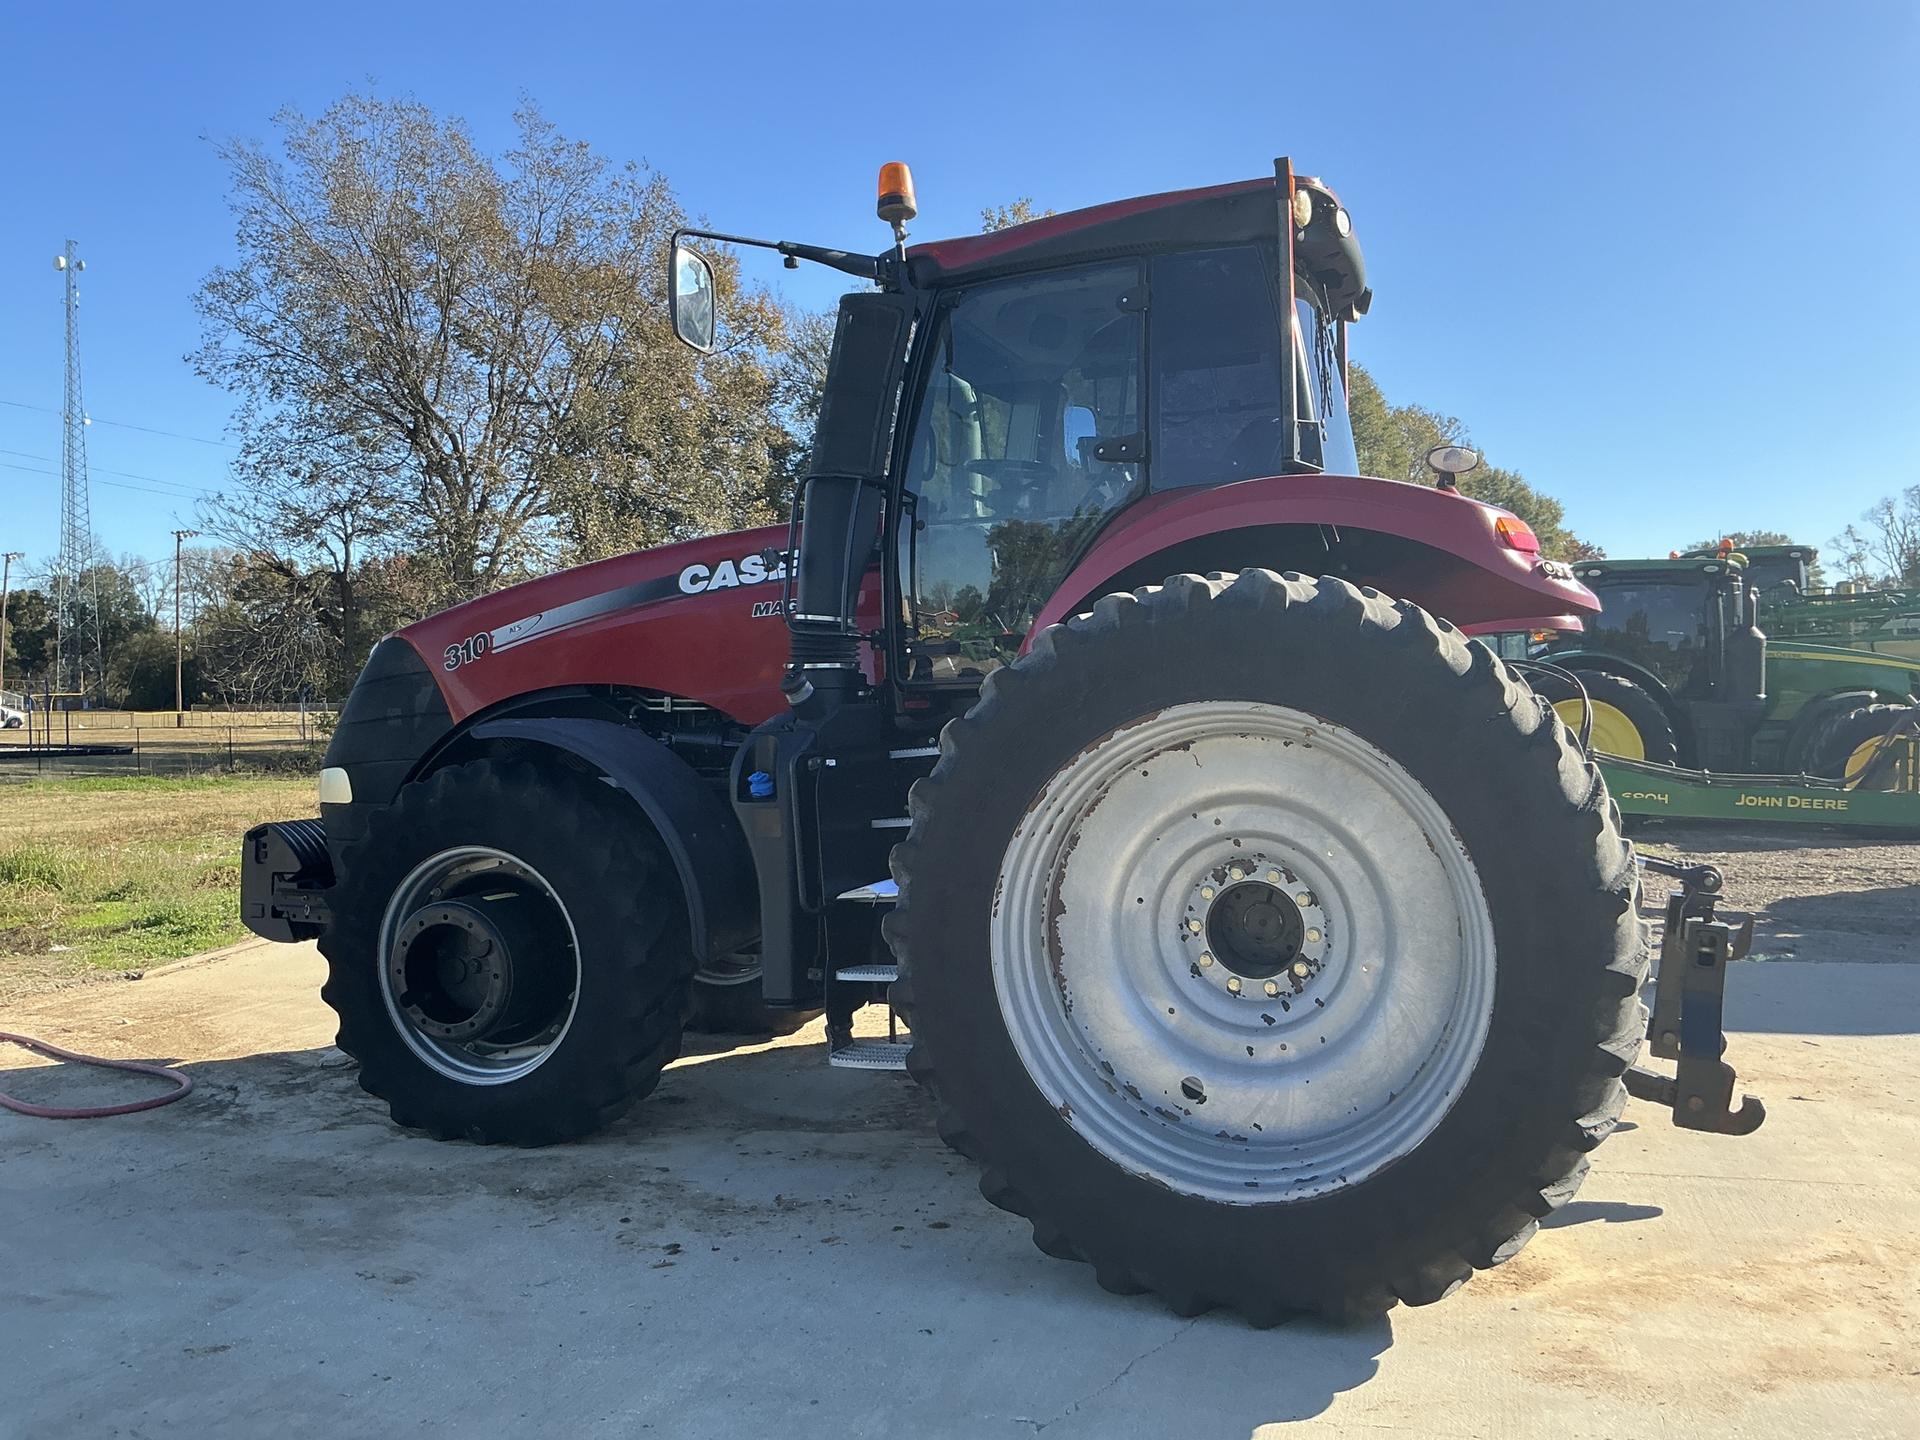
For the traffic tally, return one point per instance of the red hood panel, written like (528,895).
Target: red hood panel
(700,620)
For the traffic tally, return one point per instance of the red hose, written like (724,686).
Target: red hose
(183,1084)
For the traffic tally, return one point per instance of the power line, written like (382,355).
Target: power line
(127,425)
(103,470)
(116,484)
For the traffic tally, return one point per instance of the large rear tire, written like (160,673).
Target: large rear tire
(1269,945)
(1847,745)
(509,955)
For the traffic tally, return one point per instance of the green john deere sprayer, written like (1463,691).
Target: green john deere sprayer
(1856,617)
(1701,712)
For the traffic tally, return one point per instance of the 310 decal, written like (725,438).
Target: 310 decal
(465,652)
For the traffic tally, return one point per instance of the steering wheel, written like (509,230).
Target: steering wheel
(1022,479)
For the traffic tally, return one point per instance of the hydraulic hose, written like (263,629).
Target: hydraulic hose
(183,1084)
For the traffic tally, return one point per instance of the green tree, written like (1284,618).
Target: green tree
(140,674)
(29,639)
(109,603)
(1393,441)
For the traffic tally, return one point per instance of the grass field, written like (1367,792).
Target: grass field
(119,873)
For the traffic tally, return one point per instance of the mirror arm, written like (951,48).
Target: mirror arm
(867,267)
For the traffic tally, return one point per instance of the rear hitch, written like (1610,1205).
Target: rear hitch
(1686,1025)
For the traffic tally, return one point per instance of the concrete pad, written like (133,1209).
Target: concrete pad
(771,1246)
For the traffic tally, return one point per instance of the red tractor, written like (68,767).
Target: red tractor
(1265,939)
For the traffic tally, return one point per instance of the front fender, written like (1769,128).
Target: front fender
(695,823)
(1452,562)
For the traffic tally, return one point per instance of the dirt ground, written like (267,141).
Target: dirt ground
(1813,892)
(768,1245)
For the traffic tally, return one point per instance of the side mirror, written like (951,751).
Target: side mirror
(690,297)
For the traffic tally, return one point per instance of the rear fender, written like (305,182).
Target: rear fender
(694,822)
(1437,548)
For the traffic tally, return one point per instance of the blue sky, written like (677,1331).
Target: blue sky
(1662,258)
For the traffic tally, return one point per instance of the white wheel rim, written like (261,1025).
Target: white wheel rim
(466,869)
(1119,1010)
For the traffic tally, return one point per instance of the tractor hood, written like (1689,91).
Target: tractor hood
(1816,669)
(699,621)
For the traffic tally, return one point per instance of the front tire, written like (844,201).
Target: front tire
(509,955)
(1354,792)
(1627,721)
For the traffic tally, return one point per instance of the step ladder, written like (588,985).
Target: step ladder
(870,1054)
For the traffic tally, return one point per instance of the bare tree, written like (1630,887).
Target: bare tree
(1884,548)
(466,360)
(1016,212)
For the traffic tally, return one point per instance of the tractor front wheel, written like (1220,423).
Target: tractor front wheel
(1627,721)
(1269,945)
(509,955)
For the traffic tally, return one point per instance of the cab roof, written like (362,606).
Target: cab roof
(1757,552)
(1240,210)
(1681,565)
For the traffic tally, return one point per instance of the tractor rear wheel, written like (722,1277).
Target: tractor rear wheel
(1269,946)
(509,955)
(1627,721)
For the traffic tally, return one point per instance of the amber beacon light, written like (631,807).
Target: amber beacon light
(896,205)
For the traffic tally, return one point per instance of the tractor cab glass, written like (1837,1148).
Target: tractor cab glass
(1027,434)
(1666,622)
(1219,369)
(1326,428)
(1770,570)
(1048,402)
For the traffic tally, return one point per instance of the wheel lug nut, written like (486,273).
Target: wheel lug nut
(1206,892)
(1313,937)
(1233,984)
(1206,959)
(1303,898)
(1301,969)
(1273,877)
(1194,926)
(1272,987)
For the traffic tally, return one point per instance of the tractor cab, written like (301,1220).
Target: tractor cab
(1686,622)
(1678,666)
(999,400)
(1774,570)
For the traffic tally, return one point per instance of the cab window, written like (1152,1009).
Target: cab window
(1219,409)
(1027,435)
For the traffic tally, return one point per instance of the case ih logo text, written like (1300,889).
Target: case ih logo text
(747,570)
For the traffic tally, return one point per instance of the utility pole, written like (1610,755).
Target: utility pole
(179,648)
(6,593)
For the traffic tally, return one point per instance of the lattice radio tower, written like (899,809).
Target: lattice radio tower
(77,614)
